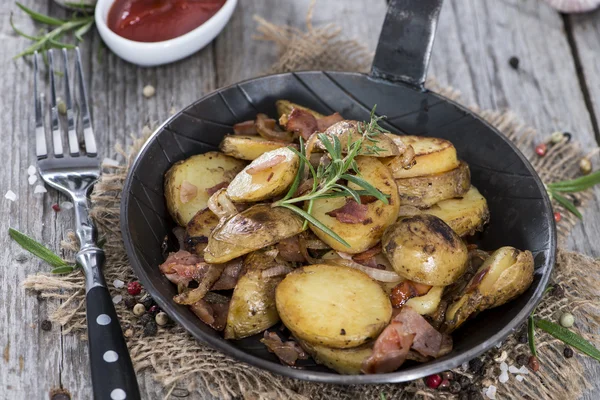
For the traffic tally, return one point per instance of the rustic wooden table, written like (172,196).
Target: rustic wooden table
(557,87)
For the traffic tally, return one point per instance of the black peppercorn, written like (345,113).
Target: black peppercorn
(522,337)
(473,388)
(144,319)
(464,382)
(454,387)
(46,325)
(568,352)
(150,329)
(522,359)
(514,62)
(129,301)
(147,302)
(575,200)
(463,396)
(475,396)
(558,291)
(475,365)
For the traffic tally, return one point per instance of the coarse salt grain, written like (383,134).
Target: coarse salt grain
(503,378)
(117,299)
(519,378)
(499,345)
(503,366)
(10,195)
(66,205)
(172,111)
(523,370)
(32,179)
(39,189)
(118,283)
(31,170)
(491,392)
(465,366)
(513,370)
(109,162)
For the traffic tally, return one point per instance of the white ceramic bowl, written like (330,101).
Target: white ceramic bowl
(157,53)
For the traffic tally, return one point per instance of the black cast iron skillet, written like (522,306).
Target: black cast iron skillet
(521,214)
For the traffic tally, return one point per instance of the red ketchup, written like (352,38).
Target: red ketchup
(158,20)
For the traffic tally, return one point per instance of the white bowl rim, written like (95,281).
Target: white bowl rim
(100,17)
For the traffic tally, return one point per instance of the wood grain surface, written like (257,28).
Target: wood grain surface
(557,87)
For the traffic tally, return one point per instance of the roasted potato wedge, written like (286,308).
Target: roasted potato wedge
(506,274)
(432,156)
(343,361)
(268,176)
(428,303)
(254,228)
(465,215)
(248,147)
(187,181)
(424,191)
(333,306)
(424,249)
(285,107)
(360,236)
(348,132)
(252,308)
(198,230)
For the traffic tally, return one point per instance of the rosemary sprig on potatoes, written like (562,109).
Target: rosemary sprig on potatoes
(331,173)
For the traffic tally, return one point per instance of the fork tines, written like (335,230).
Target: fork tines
(56,123)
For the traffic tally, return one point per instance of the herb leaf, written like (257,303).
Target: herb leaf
(568,337)
(316,223)
(576,185)
(44,19)
(37,249)
(67,269)
(372,190)
(531,335)
(566,203)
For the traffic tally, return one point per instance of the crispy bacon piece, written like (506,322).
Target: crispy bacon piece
(216,188)
(406,290)
(245,128)
(182,267)
(230,275)
(351,213)
(268,129)
(367,257)
(287,352)
(270,163)
(187,192)
(289,250)
(301,122)
(389,352)
(326,122)
(427,341)
(212,311)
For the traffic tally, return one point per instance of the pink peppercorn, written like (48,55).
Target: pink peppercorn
(134,288)
(433,381)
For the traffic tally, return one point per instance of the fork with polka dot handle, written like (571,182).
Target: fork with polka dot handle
(74,170)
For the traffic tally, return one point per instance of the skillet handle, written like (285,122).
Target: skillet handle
(406,40)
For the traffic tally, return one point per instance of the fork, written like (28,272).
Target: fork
(74,173)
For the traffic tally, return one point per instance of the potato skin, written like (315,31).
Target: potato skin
(425,191)
(343,361)
(428,303)
(424,249)
(248,147)
(254,228)
(360,236)
(252,308)
(506,274)
(268,183)
(465,215)
(198,230)
(202,171)
(347,131)
(333,306)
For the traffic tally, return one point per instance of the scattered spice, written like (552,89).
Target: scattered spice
(150,328)
(66,205)
(162,319)
(522,359)
(557,216)
(46,325)
(522,338)
(476,366)
(433,381)
(147,302)
(153,310)
(567,320)
(444,385)
(32,179)
(117,283)
(139,309)
(144,319)
(568,352)
(514,62)
(117,299)
(56,207)
(541,149)
(557,137)
(39,189)
(558,291)
(61,107)
(134,288)
(128,333)
(502,357)
(490,392)
(148,91)
(463,396)
(585,166)
(464,381)
(454,387)
(130,302)
(448,375)
(10,195)
(534,364)
(31,170)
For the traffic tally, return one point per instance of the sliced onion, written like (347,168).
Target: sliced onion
(408,211)
(316,244)
(220,204)
(380,275)
(304,251)
(278,270)
(179,233)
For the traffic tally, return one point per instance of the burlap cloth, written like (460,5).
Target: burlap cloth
(187,368)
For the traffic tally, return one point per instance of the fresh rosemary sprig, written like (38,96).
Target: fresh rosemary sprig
(41,251)
(79,25)
(556,189)
(327,177)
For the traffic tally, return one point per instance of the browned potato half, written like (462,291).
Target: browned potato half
(424,249)
(198,230)
(285,107)
(248,147)
(506,274)
(252,308)
(348,132)
(254,228)
(378,216)
(424,191)
(187,182)
(268,176)
(432,156)
(465,215)
(332,306)
(343,361)
(428,303)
